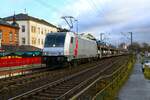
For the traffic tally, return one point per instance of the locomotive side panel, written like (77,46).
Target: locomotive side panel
(87,48)
(69,46)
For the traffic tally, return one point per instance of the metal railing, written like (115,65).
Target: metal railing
(106,87)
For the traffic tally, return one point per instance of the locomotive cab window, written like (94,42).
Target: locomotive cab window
(55,40)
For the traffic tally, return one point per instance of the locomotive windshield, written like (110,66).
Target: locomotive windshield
(55,40)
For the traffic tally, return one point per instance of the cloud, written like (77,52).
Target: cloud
(94,16)
(111,16)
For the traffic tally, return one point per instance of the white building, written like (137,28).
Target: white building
(32,30)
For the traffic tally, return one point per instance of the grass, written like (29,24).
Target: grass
(147,72)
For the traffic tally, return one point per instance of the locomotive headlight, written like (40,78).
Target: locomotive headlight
(60,59)
(60,53)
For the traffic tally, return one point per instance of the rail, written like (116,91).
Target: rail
(106,86)
(72,78)
(50,84)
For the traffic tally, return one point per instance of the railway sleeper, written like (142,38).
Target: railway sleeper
(38,98)
(43,94)
(53,96)
(58,89)
(68,84)
(62,87)
(53,92)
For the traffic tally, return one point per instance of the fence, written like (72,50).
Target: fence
(19,63)
(106,87)
(10,59)
(11,62)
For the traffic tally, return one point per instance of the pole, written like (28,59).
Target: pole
(77,27)
(131,39)
(101,38)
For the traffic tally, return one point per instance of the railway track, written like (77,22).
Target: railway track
(11,80)
(65,87)
(13,86)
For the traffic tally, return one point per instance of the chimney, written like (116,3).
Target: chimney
(14,18)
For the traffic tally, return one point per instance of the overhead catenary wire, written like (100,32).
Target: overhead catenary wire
(94,6)
(91,4)
(47,5)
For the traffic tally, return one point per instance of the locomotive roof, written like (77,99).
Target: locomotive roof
(56,33)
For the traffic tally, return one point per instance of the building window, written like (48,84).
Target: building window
(42,31)
(10,36)
(42,42)
(33,29)
(33,41)
(23,28)
(0,35)
(45,32)
(39,30)
(23,41)
(39,41)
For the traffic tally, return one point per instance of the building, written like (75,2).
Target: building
(123,46)
(88,36)
(9,33)
(32,30)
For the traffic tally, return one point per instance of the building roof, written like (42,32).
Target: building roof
(88,36)
(20,48)
(21,16)
(2,22)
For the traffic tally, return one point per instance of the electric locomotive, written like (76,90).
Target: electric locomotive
(68,48)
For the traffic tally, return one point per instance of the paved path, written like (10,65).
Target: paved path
(137,87)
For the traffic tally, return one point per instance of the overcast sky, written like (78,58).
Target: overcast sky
(111,17)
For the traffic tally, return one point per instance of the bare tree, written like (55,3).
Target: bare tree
(135,47)
(121,45)
(145,47)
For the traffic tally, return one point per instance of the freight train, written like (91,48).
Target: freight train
(63,48)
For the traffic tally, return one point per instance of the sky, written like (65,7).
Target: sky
(114,18)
